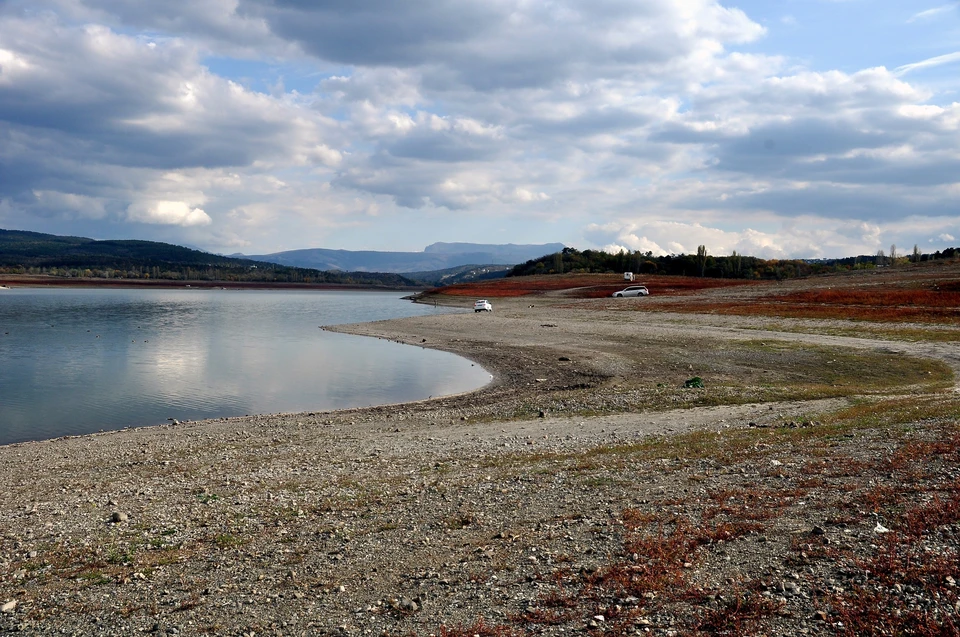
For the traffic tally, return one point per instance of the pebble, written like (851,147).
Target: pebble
(408,605)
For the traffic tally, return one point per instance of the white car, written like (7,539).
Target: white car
(633,290)
(482,305)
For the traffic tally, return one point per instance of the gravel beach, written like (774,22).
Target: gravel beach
(477,514)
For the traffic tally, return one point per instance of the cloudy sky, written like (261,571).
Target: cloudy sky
(778,128)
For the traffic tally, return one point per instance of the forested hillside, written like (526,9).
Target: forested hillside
(702,264)
(36,253)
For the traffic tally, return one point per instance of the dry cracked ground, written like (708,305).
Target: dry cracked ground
(626,473)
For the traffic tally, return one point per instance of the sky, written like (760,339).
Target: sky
(776,128)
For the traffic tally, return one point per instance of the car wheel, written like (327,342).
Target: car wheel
(619,296)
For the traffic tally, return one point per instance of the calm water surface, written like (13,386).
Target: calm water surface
(79,361)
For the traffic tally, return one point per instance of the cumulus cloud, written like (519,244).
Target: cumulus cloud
(646,126)
(809,237)
(216,24)
(60,203)
(90,119)
(174,213)
(510,44)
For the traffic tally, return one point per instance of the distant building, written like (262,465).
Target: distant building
(628,276)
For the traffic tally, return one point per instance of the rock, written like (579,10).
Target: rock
(118,516)
(9,607)
(880,529)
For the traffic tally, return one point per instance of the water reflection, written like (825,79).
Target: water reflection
(77,361)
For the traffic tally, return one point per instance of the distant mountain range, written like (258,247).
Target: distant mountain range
(437,256)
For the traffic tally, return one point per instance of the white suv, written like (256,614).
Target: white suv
(633,290)
(482,306)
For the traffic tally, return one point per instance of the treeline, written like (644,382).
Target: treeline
(43,254)
(263,273)
(735,266)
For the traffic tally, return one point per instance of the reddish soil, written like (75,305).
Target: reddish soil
(585,286)
(914,307)
(924,293)
(915,294)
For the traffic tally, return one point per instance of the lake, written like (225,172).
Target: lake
(80,361)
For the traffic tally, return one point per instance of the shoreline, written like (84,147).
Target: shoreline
(404,518)
(351,329)
(13,281)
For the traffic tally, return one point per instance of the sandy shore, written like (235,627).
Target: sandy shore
(405,518)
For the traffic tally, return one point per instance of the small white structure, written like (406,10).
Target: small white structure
(628,276)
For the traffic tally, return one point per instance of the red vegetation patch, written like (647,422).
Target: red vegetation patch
(935,304)
(479,629)
(878,297)
(741,614)
(584,286)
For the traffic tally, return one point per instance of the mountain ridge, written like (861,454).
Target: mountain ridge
(436,256)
